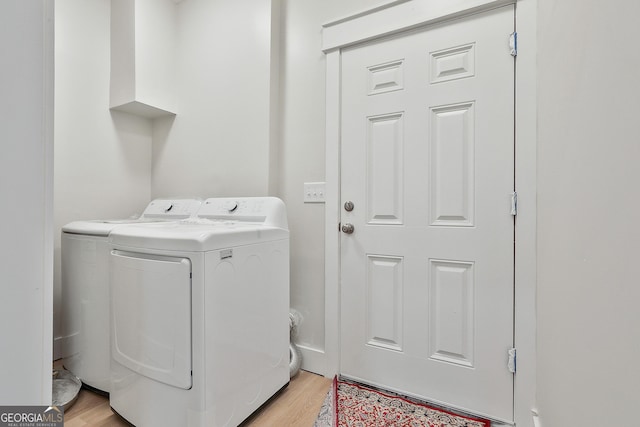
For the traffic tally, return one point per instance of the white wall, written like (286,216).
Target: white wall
(218,144)
(102,158)
(26,257)
(588,210)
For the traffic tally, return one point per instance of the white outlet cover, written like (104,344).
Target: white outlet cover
(314,192)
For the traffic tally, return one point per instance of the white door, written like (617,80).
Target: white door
(428,163)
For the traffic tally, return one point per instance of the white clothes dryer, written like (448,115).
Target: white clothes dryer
(200,315)
(85,253)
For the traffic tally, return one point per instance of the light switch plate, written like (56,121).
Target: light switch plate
(314,192)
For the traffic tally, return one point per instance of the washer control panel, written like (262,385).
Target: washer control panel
(172,208)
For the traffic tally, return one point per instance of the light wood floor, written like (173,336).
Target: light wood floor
(296,406)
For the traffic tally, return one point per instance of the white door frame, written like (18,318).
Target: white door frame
(394,17)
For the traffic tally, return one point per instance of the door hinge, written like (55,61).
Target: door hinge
(512,360)
(514,204)
(513,43)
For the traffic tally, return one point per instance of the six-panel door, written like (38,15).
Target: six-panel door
(428,162)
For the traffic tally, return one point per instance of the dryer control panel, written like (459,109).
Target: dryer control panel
(268,211)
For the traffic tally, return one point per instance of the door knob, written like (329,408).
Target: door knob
(347,228)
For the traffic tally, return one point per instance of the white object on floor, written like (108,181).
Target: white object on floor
(295,355)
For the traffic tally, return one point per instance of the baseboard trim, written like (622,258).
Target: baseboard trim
(313,360)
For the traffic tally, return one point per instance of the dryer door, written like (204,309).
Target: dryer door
(151,316)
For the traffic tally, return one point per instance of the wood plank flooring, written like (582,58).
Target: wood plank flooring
(296,406)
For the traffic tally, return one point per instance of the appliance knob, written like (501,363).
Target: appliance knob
(232,206)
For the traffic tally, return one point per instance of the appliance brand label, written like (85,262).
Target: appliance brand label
(226,253)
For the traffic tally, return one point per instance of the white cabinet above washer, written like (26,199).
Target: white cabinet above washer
(143,54)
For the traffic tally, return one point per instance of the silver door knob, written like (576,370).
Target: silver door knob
(348,206)
(347,228)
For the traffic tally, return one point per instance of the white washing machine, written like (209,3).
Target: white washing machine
(200,315)
(85,253)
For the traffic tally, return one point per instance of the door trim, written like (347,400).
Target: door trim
(394,17)
(397,16)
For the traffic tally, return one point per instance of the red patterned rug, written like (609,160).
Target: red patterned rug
(354,405)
